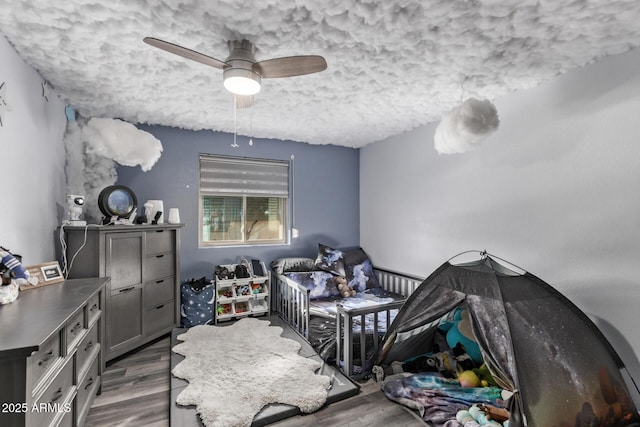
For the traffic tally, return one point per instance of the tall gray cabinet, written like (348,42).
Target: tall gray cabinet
(143,261)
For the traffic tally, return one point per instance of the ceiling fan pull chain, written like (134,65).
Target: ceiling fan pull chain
(235,122)
(250,128)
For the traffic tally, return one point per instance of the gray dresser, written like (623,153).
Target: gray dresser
(143,262)
(50,354)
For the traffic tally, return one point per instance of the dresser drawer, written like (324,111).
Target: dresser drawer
(87,389)
(159,291)
(73,330)
(67,420)
(41,361)
(55,398)
(159,241)
(159,318)
(159,266)
(87,348)
(93,308)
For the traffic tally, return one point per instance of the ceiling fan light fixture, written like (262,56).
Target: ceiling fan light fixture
(241,81)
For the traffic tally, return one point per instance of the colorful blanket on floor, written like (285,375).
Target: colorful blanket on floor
(439,399)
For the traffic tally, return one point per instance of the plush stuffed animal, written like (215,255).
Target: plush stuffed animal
(9,293)
(474,417)
(459,331)
(13,275)
(343,287)
(493,413)
(486,379)
(10,267)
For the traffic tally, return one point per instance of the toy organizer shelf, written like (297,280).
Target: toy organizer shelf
(236,298)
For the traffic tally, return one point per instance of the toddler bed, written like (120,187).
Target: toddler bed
(343,330)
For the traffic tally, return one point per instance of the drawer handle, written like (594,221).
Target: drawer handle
(46,358)
(159,281)
(159,231)
(89,383)
(57,395)
(159,256)
(130,288)
(75,328)
(159,307)
(88,346)
(94,307)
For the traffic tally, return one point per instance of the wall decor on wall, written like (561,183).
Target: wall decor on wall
(45,90)
(4,105)
(464,127)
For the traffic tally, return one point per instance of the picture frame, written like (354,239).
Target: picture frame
(51,272)
(46,273)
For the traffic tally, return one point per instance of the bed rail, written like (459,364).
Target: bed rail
(292,304)
(399,283)
(345,329)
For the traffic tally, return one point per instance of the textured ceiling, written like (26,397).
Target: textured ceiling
(393,65)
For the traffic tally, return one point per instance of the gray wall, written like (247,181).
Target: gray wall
(33,181)
(554,191)
(326,193)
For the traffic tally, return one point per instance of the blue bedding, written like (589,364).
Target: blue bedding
(323,299)
(369,298)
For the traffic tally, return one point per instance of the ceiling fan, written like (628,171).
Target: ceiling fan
(242,74)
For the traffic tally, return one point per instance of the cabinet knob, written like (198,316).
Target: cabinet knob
(75,328)
(57,395)
(46,358)
(89,383)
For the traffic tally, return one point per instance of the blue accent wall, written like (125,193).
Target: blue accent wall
(326,193)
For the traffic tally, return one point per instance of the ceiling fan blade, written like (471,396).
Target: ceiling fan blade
(290,66)
(184,52)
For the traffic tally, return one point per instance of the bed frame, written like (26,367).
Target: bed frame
(292,305)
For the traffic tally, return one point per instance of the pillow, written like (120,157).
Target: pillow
(359,270)
(330,259)
(285,265)
(321,284)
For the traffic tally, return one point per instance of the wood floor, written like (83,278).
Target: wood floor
(136,392)
(135,389)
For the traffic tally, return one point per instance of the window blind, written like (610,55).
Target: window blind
(221,175)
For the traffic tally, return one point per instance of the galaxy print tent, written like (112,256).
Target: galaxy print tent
(536,343)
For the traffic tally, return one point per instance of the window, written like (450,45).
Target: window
(242,201)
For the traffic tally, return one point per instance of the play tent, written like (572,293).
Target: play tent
(535,342)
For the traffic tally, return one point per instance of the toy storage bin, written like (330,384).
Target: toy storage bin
(230,281)
(196,304)
(225,295)
(242,291)
(259,287)
(258,305)
(224,310)
(241,307)
(240,297)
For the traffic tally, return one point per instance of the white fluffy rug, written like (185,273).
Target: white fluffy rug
(234,371)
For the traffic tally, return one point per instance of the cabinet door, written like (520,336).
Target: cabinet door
(123,315)
(124,256)
(124,321)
